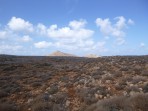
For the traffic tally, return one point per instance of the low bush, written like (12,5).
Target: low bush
(36,84)
(3,94)
(8,107)
(41,106)
(59,98)
(138,79)
(53,90)
(137,102)
(144,73)
(132,88)
(145,88)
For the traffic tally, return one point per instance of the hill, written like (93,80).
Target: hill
(59,53)
(92,56)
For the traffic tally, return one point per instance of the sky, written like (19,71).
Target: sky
(80,27)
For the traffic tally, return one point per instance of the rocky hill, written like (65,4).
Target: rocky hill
(92,56)
(59,53)
(118,83)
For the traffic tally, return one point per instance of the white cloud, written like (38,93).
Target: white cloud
(116,30)
(130,21)
(42,44)
(3,34)
(7,48)
(142,44)
(75,36)
(19,24)
(120,41)
(82,46)
(121,23)
(117,33)
(76,29)
(66,32)
(42,29)
(77,24)
(72,37)
(105,25)
(101,46)
(26,38)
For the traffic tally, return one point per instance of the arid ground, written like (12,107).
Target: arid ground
(117,83)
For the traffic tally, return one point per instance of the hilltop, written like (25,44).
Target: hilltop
(59,53)
(92,56)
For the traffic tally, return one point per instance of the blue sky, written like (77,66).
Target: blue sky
(102,27)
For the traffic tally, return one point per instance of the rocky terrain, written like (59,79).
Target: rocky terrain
(118,83)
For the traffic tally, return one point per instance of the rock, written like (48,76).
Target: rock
(108,81)
(29,100)
(124,93)
(96,96)
(132,93)
(108,95)
(109,88)
(100,96)
(131,85)
(67,103)
(140,89)
(53,90)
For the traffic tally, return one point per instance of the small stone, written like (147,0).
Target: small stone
(132,93)
(67,103)
(100,96)
(140,89)
(146,66)
(96,96)
(29,100)
(131,84)
(108,81)
(124,93)
(98,91)
(109,88)
(79,86)
(108,95)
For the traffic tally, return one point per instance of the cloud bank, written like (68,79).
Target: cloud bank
(20,35)
(114,30)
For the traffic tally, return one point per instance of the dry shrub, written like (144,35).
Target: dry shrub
(3,94)
(138,102)
(36,84)
(41,106)
(44,103)
(144,73)
(108,78)
(132,88)
(145,88)
(137,79)
(8,107)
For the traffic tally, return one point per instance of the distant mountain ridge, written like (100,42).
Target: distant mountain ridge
(59,53)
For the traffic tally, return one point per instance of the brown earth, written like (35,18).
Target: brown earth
(73,83)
